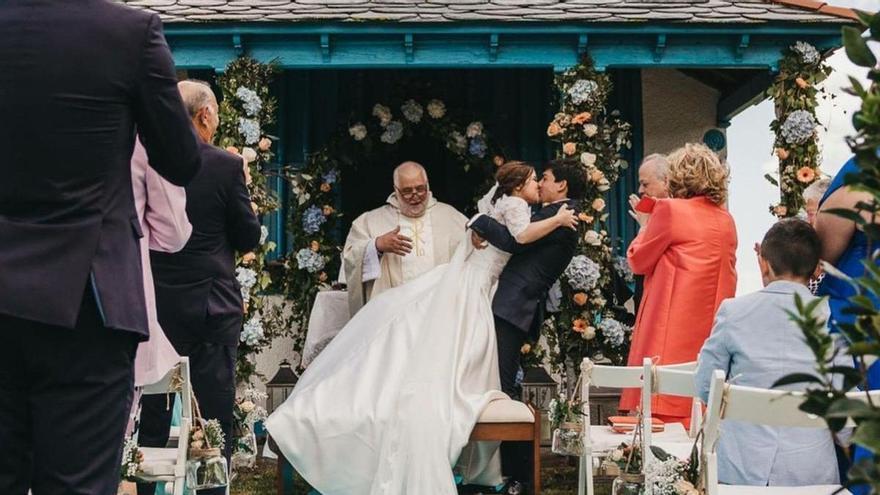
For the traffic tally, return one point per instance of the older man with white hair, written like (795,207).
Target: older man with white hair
(395,243)
(652,184)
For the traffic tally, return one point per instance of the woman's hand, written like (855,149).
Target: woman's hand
(565,217)
(641,218)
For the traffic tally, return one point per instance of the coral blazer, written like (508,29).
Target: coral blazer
(687,254)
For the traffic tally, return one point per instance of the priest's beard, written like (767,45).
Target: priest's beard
(417,210)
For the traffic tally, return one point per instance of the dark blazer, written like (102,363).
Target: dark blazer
(196,286)
(75,80)
(533,268)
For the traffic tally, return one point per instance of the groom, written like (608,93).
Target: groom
(522,287)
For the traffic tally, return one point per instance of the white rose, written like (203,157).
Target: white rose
(247,406)
(603,185)
(474,129)
(589,333)
(249,154)
(588,159)
(616,455)
(358,131)
(590,130)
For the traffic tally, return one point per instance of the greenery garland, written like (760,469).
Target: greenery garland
(313,264)
(590,319)
(246,110)
(794,94)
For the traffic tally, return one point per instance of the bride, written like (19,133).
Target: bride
(389,405)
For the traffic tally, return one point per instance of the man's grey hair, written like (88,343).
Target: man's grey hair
(817,189)
(660,161)
(408,164)
(199,96)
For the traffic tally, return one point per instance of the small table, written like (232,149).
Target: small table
(329,314)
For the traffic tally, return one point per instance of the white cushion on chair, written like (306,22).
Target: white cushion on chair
(779,490)
(506,411)
(158,462)
(673,439)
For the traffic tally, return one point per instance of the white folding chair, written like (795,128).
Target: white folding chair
(168,465)
(600,440)
(758,406)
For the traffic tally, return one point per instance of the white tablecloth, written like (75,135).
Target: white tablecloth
(329,314)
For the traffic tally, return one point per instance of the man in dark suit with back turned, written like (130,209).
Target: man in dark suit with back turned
(519,302)
(197,296)
(76,78)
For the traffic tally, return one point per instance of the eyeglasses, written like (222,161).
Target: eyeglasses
(408,192)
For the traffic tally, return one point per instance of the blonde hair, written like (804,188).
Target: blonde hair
(695,170)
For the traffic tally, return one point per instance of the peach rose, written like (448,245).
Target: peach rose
(596,175)
(579,325)
(569,148)
(248,258)
(554,129)
(315,246)
(593,238)
(322,276)
(526,348)
(581,118)
(325,187)
(328,210)
(598,204)
(232,149)
(265,144)
(580,298)
(583,217)
(801,83)
(806,175)
(781,153)
(498,160)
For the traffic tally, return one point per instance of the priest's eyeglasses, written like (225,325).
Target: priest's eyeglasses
(409,192)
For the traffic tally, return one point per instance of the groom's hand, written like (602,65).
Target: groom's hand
(478,241)
(394,242)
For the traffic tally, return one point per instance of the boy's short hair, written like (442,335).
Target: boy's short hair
(791,247)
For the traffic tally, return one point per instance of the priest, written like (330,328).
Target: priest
(408,236)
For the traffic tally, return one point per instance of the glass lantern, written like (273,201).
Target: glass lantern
(539,388)
(207,472)
(280,386)
(245,454)
(568,439)
(628,484)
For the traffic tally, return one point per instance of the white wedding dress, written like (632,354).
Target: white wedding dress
(389,404)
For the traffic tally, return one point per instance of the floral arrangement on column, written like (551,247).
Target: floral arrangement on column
(314,262)
(587,323)
(795,96)
(247,109)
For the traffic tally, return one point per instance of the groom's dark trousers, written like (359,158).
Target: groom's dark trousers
(518,305)
(76,79)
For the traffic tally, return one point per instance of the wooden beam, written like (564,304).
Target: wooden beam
(743,97)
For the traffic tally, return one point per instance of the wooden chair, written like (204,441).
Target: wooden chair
(512,421)
(758,406)
(599,440)
(168,465)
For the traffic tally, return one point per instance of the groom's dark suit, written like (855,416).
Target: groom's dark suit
(75,80)
(519,301)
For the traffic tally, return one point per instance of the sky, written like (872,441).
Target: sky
(750,146)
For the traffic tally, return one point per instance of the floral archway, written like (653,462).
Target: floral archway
(314,261)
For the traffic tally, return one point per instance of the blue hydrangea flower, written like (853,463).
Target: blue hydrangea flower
(613,331)
(247,278)
(312,219)
(477,147)
(582,91)
(308,260)
(808,52)
(582,273)
(393,132)
(798,127)
(252,332)
(331,176)
(249,130)
(250,100)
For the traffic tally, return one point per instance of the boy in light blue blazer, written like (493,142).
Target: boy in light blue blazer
(755,342)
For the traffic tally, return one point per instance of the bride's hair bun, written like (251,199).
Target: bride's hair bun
(511,176)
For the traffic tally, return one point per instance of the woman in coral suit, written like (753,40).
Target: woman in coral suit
(686,249)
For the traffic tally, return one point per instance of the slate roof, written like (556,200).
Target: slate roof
(618,11)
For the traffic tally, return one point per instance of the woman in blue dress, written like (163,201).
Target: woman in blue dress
(845,246)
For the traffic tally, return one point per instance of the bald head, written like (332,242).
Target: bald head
(411,187)
(201,105)
(410,172)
